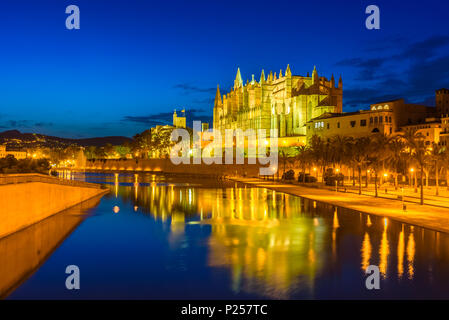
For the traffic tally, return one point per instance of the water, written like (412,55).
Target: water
(168,238)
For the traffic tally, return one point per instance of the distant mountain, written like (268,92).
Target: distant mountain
(19,139)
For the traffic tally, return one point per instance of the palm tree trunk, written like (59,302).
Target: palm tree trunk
(366,179)
(447,177)
(416,182)
(360,180)
(353,177)
(436,178)
(375,183)
(422,185)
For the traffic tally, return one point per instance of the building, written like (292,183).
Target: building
(442,101)
(444,134)
(179,122)
(386,117)
(17,154)
(431,130)
(285,102)
(353,124)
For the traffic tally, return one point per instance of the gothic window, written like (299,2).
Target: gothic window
(338,125)
(352,124)
(363,123)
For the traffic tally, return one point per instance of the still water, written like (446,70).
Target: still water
(168,238)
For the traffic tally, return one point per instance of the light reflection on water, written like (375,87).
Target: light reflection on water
(204,239)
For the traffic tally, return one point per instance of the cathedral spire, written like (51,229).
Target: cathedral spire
(280,73)
(262,77)
(288,72)
(238,82)
(218,102)
(332,81)
(340,83)
(314,75)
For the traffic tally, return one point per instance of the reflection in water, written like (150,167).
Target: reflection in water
(401,254)
(230,241)
(366,251)
(384,251)
(23,252)
(410,254)
(271,242)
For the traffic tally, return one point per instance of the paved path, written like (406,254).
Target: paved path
(436,218)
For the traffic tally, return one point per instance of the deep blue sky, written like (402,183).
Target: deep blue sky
(134,61)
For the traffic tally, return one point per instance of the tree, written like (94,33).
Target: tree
(396,158)
(437,156)
(360,156)
(418,151)
(377,155)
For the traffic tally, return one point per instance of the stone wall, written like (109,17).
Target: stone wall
(167,167)
(27,199)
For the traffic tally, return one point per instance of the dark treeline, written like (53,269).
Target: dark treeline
(9,164)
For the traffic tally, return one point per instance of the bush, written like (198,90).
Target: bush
(306,177)
(330,178)
(9,164)
(289,175)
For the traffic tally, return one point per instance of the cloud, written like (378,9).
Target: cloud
(194,89)
(43,124)
(368,68)
(413,74)
(164,118)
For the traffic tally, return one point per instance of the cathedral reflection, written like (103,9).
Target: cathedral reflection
(271,242)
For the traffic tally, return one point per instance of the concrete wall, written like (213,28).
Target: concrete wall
(23,204)
(23,252)
(166,166)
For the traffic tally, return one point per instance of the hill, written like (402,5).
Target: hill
(15,138)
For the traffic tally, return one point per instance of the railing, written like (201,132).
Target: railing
(35,177)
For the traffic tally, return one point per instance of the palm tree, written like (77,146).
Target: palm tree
(359,156)
(302,157)
(377,154)
(318,152)
(396,159)
(418,151)
(340,147)
(437,155)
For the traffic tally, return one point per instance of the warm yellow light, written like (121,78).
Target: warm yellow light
(116,209)
(314,169)
(284,142)
(337,170)
(411,169)
(369,171)
(266,142)
(385,174)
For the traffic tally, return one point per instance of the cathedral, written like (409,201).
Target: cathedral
(284,102)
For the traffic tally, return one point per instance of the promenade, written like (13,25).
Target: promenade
(434,217)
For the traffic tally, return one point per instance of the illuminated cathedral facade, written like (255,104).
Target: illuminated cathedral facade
(284,102)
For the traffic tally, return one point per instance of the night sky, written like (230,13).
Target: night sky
(133,62)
